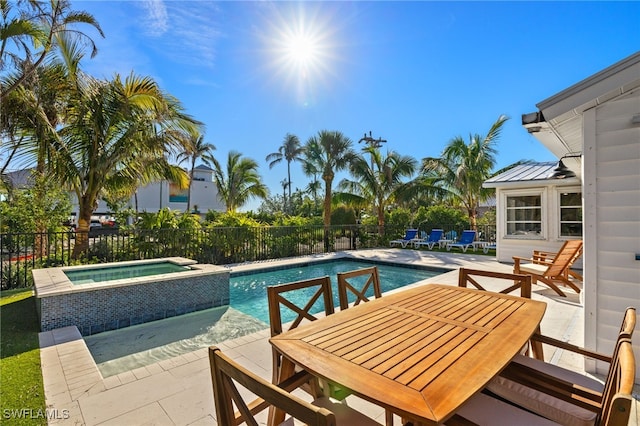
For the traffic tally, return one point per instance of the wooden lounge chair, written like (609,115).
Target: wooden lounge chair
(466,240)
(277,297)
(346,284)
(434,238)
(409,236)
(554,272)
(227,376)
(547,256)
(566,396)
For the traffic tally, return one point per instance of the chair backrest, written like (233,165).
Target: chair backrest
(451,235)
(468,236)
(435,235)
(617,395)
(518,281)
(628,323)
(300,298)
(347,284)
(226,374)
(564,259)
(410,234)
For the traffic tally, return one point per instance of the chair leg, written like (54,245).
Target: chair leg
(553,286)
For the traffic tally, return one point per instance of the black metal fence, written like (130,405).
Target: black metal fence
(22,252)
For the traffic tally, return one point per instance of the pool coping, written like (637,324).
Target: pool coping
(53,281)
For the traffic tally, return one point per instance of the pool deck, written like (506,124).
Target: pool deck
(178,391)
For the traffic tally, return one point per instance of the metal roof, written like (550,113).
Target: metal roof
(527,173)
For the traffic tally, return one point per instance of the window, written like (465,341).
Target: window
(524,215)
(571,214)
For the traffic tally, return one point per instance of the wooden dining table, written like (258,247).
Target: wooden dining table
(421,352)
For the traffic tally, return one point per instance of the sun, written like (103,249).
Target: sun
(301,50)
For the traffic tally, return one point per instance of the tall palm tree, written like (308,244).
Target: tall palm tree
(117,132)
(377,182)
(327,153)
(196,149)
(35,30)
(464,167)
(240,182)
(291,150)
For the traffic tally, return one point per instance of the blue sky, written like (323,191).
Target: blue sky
(414,73)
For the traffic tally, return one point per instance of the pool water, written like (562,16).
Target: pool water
(101,274)
(132,347)
(248,293)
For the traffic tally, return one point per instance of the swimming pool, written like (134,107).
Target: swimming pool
(248,292)
(247,313)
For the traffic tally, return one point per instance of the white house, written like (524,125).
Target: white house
(596,122)
(153,197)
(158,195)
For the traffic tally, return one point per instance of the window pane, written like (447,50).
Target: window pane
(528,201)
(571,230)
(524,215)
(573,199)
(571,214)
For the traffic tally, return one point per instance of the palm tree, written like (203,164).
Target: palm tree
(39,26)
(378,182)
(291,150)
(240,182)
(327,153)
(196,149)
(117,133)
(463,168)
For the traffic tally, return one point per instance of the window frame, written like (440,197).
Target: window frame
(569,190)
(535,192)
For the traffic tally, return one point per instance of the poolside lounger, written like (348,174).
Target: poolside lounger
(409,235)
(465,241)
(555,271)
(488,247)
(434,238)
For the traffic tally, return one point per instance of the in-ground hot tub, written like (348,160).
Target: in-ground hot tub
(108,296)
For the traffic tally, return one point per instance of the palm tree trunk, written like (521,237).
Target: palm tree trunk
(327,214)
(289,180)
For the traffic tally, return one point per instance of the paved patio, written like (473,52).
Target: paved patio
(178,391)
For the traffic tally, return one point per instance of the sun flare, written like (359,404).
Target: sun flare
(301,50)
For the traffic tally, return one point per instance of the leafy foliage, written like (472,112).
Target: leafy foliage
(44,206)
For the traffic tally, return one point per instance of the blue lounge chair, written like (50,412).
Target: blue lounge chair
(466,240)
(409,235)
(434,237)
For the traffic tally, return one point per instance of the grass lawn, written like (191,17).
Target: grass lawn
(21,388)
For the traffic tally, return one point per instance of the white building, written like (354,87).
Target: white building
(158,195)
(597,123)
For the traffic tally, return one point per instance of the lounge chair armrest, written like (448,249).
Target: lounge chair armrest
(568,346)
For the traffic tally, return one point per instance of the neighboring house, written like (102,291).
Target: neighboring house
(152,197)
(158,195)
(597,122)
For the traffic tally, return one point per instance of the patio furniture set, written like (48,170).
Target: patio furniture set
(430,355)
(447,240)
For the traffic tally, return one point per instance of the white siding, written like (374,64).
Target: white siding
(617,229)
